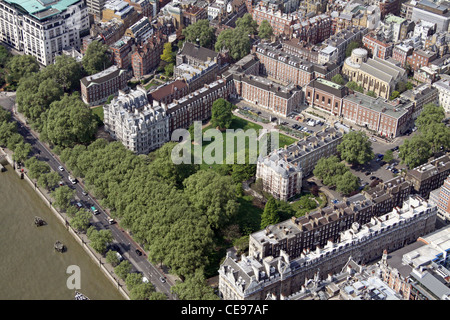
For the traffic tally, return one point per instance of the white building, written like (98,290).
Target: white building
(443,86)
(140,127)
(43,28)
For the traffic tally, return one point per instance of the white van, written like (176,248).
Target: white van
(72,179)
(119,256)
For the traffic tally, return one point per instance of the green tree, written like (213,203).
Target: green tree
(431,114)
(388,156)
(354,86)
(49,180)
(21,151)
(20,66)
(338,79)
(66,71)
(347,183)
(307,203)
(14,140)
(371,94)
(214,195)
(5,56)
(111,257)
(63,195)
(7,130)
(168,69)
(236,41)
(36,168)
(221,114)
(329,169)
(96,58)
(351,46)
(81,220)
(69,121)
(270,214)
(247,25)
(415,151)
(167,55)
(355,148)
(123,269)
(437,135)
(144,291)
(265,30)
(394,95)
(200,32)
(194,287)
(99,239)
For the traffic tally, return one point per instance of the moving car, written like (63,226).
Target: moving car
(94,210)
(61,168)
(162,279)
(138,252)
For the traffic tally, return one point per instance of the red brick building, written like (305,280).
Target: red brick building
(192,14)
(168,93)
(281,22)
(121,52)
(420,58)
(325,95)
(96,89)
(147,56)
(314,30)
(400,53)
(378,48)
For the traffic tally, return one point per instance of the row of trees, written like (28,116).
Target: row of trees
(237,41)
(47,98)
(433,136)
(11,139)
(175,212)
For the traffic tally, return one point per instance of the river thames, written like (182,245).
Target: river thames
(30,268)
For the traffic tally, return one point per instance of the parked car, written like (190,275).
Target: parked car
(138,252)
(79,205)
(395,148)
(373,178)
(368,173)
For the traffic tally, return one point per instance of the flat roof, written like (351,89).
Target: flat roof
(41,9)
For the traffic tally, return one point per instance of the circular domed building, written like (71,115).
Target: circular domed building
(377,75)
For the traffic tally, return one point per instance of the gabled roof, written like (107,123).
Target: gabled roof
(200,53)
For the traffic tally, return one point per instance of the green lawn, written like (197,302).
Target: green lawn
(239,123)
(98,111)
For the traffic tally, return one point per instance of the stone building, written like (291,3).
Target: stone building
(373,74)
(130,119)
(251,278)
(429,176)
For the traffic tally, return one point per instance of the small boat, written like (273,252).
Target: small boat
(38,221)
(80,296)
(59,246)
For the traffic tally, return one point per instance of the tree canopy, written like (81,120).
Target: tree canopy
(236,40)
(356,148)
(270,214)
(265,30)
(247,25)
(221,113)
(96,58)
(200,32)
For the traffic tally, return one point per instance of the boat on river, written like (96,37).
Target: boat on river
(80,296)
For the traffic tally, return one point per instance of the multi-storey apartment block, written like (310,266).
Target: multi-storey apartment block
(443,87)
(420,58)
(255,278)
(121,51)
(419,271)
(282,170)
(140,127)
(168,93)
(380,49)
(429,176)
(147,56)
(43,28)
(96,89)
(281,22)
(318,227)
(420,96)
(441,198)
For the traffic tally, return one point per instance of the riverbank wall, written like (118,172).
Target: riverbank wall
(6,158)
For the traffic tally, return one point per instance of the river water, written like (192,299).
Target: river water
(29,266)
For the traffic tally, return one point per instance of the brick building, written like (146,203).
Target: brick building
(441,198)
(168,93)
(147,56)
(429,176)
(281,22)
(379,48)
(96,89)
(326,95)
(256,278)
(121,52)
(421,58)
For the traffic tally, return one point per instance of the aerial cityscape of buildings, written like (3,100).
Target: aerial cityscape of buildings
(344,66)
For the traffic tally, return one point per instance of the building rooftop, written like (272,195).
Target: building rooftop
(42,9)
(379,104)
